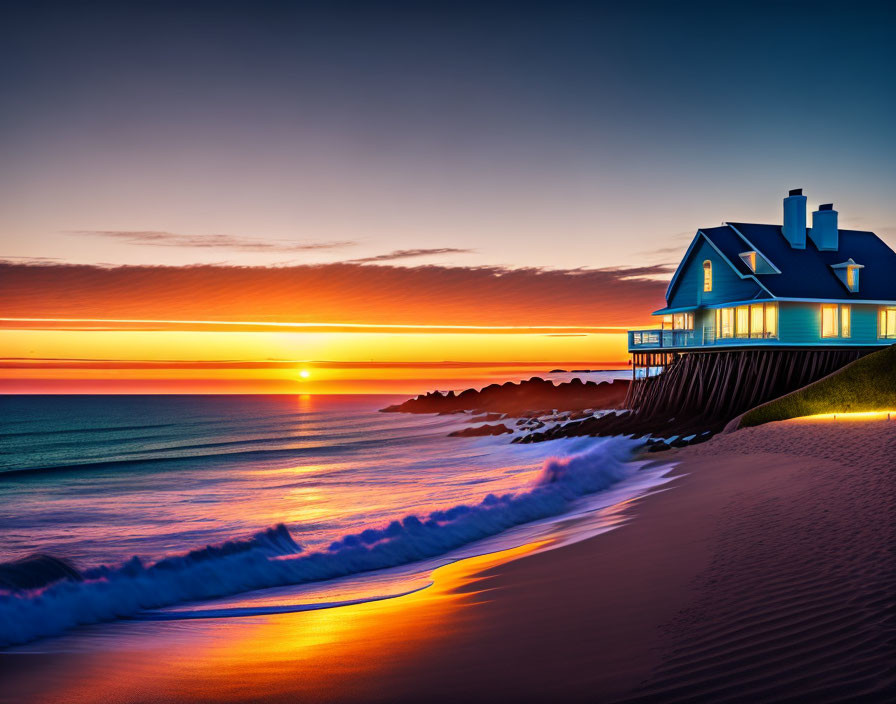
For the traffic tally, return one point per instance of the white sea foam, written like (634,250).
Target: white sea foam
(272,558)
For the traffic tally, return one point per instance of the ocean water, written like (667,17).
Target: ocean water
(181,507)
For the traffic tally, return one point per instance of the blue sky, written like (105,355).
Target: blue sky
(560,135)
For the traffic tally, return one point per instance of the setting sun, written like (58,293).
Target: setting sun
(304,374)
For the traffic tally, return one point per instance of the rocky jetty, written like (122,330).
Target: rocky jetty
(687,432)
(534,397)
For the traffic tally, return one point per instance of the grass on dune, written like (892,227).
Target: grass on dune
(868,384)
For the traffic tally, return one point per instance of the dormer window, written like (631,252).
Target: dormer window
(707,276)
(757,263)
(848,273)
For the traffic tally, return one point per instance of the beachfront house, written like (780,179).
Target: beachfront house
(756,311)
(743,285)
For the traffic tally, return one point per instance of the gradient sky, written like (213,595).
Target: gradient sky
(427,140)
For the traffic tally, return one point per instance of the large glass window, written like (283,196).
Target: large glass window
(836,321)
(886,326)
(771,319)
(759,320)
(742,321)
(683,321)
(829,319)
(725,322)
(707,276)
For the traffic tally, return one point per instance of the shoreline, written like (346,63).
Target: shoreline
(759,572)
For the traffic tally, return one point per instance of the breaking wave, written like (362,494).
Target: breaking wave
(272,558)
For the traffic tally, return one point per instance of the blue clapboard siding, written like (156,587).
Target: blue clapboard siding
(800,323)
(864,323)
(726,284)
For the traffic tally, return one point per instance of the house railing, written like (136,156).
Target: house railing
(658,339)
(654,339)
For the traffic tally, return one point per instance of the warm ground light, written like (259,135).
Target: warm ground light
(865,389)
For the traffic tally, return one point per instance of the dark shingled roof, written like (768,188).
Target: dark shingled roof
(807,273)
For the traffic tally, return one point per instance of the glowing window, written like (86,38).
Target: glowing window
(757,320)
(707,276)
(742,321)
(887,324)
(771,319)
(829,319)
(845,315)
(728,322)
(683,321)
(725,322)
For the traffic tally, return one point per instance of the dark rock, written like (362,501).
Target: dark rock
(520,399)
(634,424)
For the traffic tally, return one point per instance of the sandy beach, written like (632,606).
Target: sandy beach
(762,573)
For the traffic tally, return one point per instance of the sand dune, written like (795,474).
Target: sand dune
(798,597)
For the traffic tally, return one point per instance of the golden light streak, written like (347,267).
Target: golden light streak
(303,656)
(848,416)
(153,323)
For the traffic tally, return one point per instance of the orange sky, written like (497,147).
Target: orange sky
(335,293)
(127,361)
(349,328)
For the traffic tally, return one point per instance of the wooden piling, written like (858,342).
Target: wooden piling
(721,384)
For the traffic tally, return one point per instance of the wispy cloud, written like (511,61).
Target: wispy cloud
(30,260)
(637,272)
(341,293)
(409,254)
(159,238)
(679,242)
